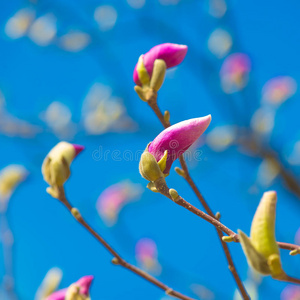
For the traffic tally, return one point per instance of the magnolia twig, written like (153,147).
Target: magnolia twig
(290,279)
(234,237)
(117,259)
(188,178)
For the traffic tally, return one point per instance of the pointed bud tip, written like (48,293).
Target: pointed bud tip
(208,118)
(85,283)
(271,194)
(184,48)
(78,148)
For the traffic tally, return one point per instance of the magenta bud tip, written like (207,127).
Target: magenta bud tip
(78,149)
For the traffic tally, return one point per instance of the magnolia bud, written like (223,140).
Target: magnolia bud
(174,194)
(255,259)
(263,225)
(56,166)
(261,248)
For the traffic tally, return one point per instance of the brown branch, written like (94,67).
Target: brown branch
(290,279)
(290,181)
(215,222)
(225,247)
(117,260)
(161,186)
(188,178)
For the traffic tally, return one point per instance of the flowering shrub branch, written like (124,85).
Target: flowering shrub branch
(117,259)
(261,249)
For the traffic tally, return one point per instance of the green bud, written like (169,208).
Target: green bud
(263,226)
(295,251)
(149,168)
(158,74)
(174,195)
(218,215)
(179,171)
(75,212)
(227,239)
(115,261)
(167,116)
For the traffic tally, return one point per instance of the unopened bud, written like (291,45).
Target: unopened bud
(167,116)
(179,171)
(174,195)
(115,261)
(75,212)
(295,252)
(227,239)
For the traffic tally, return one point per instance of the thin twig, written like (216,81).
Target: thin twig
(163,189)
(225,247)
(118,260)
(218,224)
(188,178)
(291,183)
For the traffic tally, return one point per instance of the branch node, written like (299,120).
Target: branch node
(115,261)
(169,291)
(174,195)
(218,216)
(75,212)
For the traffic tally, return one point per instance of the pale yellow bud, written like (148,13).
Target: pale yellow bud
(49,284)
(56,166)
(263,225)
(261,248)
(10,177)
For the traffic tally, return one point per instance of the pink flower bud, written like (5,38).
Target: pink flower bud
(279,89)
(114,198)
(177,139)
(146,255)
(172,54)
(234,72)
(83,283)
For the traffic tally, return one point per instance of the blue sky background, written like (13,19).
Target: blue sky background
(31,77)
